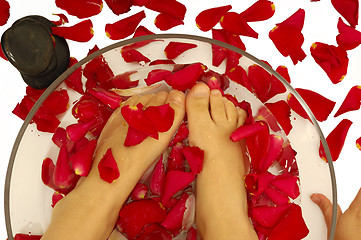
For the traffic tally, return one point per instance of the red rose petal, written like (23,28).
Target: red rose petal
(124,27)
(108,168)
(57,196)
(282,112)
(174,182)
(352,101)
(283,71)
(139,2)
(176,159)
(97,71)
(232,60)
(358,143)
(333,60)
(165,22)
(257,145)
(142,31)
(194,156)
(292,225)
(288,38)
(134,116)
(259,11)
(134,216)
(131,55)
(74,80)
(234,23)
(174,218)
(169,7)
(154,231)
(56,103)
(260,81)
(256,184)
(181,134)
(348,37)
(288,160)
(158,178)
(120,81)
(46,123)
(62,19)
(134,137)
(47,172)
(296,106)
(77,131)
(64,175)
(83,158)
(274,151)
(21,236)
(287,184)
(4,12)
(161,61)
(236,41)
(23,108)
(276,195)
(109,98)
(268,216)
(348,9)
(264,114)
(336,139)
(139,192)
(245,131)
(192,234)
(156,75)
(185,78)
(174,49)
(81,8)
(80,32)
(60,138)
(239,75)
(215,80)
(119,6)
(87,108)
(219,53)
(208,18)
(162,116)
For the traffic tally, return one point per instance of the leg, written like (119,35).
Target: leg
(221,205)
(90,211)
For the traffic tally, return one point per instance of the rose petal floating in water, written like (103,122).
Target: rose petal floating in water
(139,192)
(348,37)
(174,182)
(176,159)
(333,60)
(158,178)
(120,81)
(64,175)
(174,218)
(185,78)
(259,11)
(81,8)
(78,130)
(348,9)
(83,158)
(194,157)
(208,18)
(124,27)
(268,216)
(108,98)
(21,236)
(60,138)
(282,112)
(174,49)
(74,80)
(131,55)
(134,216)
(156,75)
(336,139)
(108,168)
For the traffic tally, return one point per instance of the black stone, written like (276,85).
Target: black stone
(38,55)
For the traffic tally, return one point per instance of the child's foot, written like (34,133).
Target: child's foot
(221,206)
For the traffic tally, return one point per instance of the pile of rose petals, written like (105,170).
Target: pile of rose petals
(271,210)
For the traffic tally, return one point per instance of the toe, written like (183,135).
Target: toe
(159,99)
(197,103)
(218,111)
(144,99)
(231,111)
(242,116)
(176,100)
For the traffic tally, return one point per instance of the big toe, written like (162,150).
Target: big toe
(197,103)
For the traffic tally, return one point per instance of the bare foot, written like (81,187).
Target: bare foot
(90,211)
(221,205)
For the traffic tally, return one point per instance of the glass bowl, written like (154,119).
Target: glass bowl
(28,201)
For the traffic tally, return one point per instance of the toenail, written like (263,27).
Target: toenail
(200,91)
(215,92)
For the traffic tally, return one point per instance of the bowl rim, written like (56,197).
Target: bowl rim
(122,43)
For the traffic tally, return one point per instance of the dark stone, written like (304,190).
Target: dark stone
(39,56)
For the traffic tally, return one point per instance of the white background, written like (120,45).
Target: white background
(320,25)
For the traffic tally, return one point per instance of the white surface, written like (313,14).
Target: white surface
(320,25)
